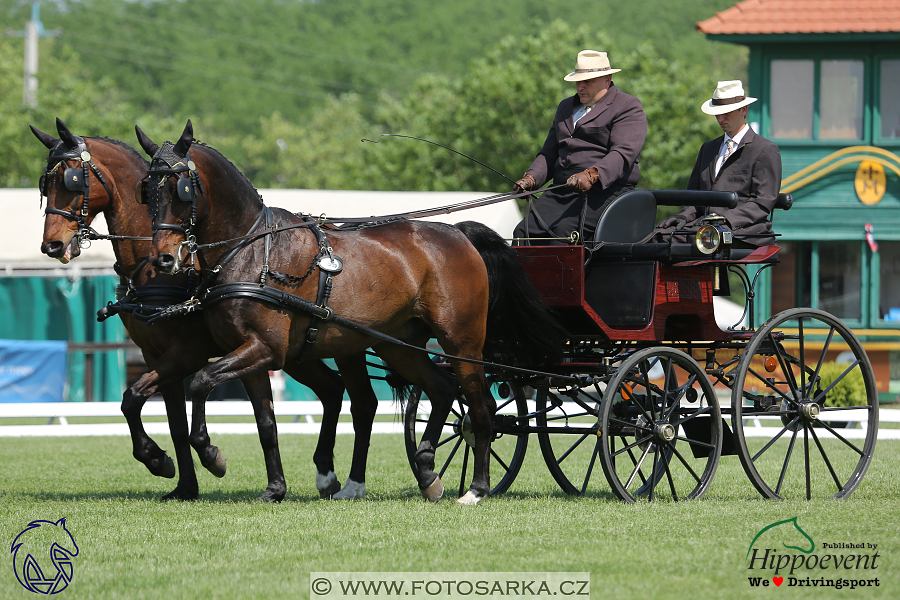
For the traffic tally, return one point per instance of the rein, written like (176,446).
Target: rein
(364,222)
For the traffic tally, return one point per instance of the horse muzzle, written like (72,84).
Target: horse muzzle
(63,252)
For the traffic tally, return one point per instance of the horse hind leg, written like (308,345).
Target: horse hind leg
(481,412)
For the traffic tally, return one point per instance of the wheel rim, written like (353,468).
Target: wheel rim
(660,428)
(454,459)
(783,413)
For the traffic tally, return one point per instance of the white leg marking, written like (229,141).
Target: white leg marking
(351,491)
(469,499)
(323,482)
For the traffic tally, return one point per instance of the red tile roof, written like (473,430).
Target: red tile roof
(805,16)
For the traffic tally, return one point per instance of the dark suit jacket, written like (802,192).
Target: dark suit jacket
(610,137)
(753,171)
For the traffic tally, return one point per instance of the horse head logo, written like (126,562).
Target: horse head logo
(782,532)
(36,548)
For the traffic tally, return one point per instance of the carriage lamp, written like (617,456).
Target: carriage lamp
(713,234)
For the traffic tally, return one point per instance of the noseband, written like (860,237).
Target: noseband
(76,179)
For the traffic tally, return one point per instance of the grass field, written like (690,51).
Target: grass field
(227,545)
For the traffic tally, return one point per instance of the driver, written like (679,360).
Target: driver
(593,147)
(740,161)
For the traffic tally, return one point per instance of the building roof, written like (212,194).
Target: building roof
(768,17)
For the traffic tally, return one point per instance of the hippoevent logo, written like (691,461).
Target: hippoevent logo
(42,557)
(783,553)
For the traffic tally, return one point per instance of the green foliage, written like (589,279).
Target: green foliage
(481,77)
(849,391)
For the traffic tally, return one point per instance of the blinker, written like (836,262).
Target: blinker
(140,191)
(185,189)
(74,179)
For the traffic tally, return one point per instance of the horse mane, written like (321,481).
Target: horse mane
(230,164)
(124,146)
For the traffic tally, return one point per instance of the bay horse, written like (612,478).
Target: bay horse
(410,280)
(173,350)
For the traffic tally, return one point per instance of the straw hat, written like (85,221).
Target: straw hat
(729,96)
(590,64)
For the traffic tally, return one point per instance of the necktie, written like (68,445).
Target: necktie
(729,148)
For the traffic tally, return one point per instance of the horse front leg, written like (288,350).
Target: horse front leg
(176,413)
(363,406)
(251,364)
(328,386)
(144,449)
(212,459)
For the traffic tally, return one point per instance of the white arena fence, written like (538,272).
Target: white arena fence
(306,419)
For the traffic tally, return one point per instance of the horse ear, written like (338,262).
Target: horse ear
(146,143)
(65,135)
(46,139)
(187,138)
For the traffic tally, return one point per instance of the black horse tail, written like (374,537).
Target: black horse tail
(521,330)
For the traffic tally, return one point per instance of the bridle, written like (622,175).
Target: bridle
(164,165)
(76,179)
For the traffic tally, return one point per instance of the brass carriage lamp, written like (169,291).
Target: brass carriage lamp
(713,234)
(711,237)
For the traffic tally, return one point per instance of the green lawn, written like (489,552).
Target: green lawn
(227,545)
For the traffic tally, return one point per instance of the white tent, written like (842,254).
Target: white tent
(20,251)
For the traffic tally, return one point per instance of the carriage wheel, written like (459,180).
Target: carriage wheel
(453,456)
(791,438)
(660,427)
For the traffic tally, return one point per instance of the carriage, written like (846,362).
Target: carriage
(648,385)
(652,389)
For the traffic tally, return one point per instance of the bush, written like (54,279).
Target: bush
(850,391)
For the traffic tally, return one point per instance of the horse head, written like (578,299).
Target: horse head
(82,179)
(182,179)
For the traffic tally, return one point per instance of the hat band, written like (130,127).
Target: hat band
(592,70)
(721,101)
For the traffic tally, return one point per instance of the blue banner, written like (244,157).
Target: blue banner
(32,371)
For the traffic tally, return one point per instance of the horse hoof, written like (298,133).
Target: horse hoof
(351,491)
(272,496)
(214,463)
(469,499)
(162,466)
(435,491)
(327,485)
(180,493)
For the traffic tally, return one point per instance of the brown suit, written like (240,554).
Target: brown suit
(609,137)
(753,171)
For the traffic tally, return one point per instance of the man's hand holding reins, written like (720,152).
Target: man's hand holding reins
(584,180)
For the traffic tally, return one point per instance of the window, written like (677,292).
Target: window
(791,106)
(841,100)
(817,99)
(889,282)
(889,105)
(839,282)
(824,275)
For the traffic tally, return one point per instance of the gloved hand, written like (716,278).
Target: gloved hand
(584,180)
(678,221)
(527,183)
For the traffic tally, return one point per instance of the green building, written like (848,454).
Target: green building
(827,75)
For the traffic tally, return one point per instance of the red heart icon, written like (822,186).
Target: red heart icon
(778,580)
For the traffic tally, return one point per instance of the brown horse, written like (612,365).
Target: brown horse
(409,280)
(173,350)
